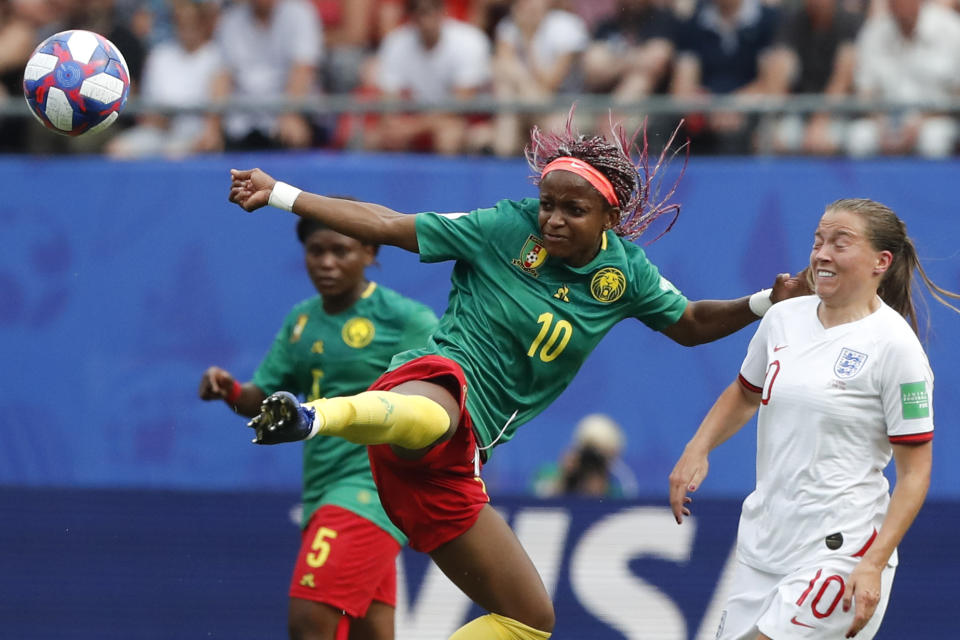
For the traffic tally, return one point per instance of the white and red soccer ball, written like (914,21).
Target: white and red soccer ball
(76,82)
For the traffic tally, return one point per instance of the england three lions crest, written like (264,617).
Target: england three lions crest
(849,363)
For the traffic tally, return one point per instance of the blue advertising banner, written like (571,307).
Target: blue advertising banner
(155,565)
(120,282)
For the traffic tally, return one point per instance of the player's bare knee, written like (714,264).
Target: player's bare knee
(539,615)
(545,619)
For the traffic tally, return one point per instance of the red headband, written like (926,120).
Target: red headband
(586,171)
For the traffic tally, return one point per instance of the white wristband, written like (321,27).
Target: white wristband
(760,302)
(283,195)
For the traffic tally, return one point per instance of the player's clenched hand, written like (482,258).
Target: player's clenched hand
(215,384)
(787,286)
(250,188)
(863,588)
(686,476)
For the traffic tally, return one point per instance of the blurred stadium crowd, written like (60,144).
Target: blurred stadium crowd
(471,76)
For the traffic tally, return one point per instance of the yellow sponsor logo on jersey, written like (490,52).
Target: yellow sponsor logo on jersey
(298,328)
(608,284)
(317,347)
(308,581)
(562,293)
(358,332)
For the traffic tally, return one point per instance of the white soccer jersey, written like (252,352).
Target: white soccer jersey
(833,400)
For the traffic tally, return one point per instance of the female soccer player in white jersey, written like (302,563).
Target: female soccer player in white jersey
(842,384)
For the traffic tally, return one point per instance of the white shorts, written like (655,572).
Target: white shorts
(804,604)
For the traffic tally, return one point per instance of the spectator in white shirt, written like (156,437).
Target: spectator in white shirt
(538,54)
(270,49)
(910,53)
(430,59)
(177,73)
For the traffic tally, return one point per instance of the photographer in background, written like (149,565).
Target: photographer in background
(591,466)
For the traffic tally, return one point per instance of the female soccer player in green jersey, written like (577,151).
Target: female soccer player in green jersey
(336,343)
(536,285)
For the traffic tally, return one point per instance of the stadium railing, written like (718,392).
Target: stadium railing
(586,103)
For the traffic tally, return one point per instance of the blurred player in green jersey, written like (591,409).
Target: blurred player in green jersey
(336,343)
(536,285)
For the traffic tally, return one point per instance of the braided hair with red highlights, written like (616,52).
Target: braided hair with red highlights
(636,184)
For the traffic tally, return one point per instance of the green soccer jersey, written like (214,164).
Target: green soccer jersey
(520,322)
(317,355)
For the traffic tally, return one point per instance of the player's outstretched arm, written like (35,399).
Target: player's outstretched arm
(735,406)
(367,222)
(218,384)
(708,320)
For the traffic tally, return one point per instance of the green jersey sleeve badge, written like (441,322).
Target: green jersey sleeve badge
(914,402)
(666,285)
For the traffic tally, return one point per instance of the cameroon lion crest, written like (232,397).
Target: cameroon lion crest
(608,284)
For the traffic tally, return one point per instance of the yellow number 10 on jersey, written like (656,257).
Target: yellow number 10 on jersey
(556,343)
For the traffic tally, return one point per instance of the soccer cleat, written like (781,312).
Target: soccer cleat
(282,419)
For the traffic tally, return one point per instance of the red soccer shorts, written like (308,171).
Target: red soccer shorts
(345,561)
(435,498)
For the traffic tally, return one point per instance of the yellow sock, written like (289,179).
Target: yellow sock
(494,627)
(382,417)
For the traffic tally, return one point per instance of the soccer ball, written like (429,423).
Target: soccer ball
(76,82)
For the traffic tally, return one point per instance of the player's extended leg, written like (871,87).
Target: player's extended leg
(317,621)
(309,620)
(377,624)
(414,416)
(489,565)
